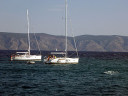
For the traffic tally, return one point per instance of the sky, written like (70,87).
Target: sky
(85,17)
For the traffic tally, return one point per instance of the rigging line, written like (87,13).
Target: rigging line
(72,54)
(37,43)
(73,38)
(66,6)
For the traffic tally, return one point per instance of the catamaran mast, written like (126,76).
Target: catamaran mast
(66,27)
(28,34)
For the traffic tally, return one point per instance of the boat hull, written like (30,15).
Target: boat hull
(26,58)
(61,61)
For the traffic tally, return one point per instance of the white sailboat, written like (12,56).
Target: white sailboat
(53,58)
(26,56)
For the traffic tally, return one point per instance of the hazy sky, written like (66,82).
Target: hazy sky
(94,17)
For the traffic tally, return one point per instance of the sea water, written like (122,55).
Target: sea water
(97,74)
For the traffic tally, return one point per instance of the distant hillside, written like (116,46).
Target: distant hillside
(18,41)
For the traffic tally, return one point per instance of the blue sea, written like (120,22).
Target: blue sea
(97,74)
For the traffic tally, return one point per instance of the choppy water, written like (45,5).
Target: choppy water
(97,74)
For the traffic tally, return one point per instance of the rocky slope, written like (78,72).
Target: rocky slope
(18,41)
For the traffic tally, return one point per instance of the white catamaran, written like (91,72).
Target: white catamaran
(53,58)
(26,56)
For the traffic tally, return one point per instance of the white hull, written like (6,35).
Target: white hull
(26,58)
(61,60)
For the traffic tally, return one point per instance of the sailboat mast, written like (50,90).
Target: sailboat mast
(28,34)
(66,27)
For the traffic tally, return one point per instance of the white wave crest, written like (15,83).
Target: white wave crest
(111,72)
